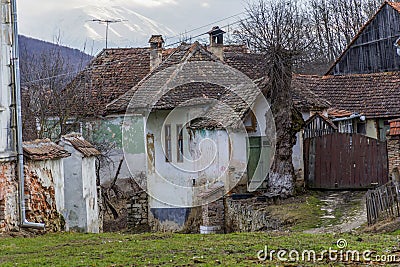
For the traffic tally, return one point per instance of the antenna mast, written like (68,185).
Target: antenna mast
(107,22)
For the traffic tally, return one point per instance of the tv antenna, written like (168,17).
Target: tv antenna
(107,22)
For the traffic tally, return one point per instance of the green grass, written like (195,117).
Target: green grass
(304,213)
(68,249)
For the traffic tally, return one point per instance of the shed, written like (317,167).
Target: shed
(81,199)
(44,180)
(318,125)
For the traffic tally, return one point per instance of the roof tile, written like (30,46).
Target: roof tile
(80,144)
(43,149)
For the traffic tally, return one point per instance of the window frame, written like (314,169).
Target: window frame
(167,143)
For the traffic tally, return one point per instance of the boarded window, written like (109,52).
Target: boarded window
(179,135)
(168,154)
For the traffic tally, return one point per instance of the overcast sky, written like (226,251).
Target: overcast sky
(36,16)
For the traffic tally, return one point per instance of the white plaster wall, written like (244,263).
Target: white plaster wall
(260,107)
(171,181)
(207,160)
(5,78)
(56,169)
(297,155)
(90,194)
(75,211)
(371,130)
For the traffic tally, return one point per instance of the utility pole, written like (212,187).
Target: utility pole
(107,22)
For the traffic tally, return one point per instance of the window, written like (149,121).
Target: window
(361,129)
(179,135)
(168,155)
(346,126)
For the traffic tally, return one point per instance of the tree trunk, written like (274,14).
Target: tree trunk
(288,122)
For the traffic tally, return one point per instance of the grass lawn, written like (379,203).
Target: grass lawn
(240,249)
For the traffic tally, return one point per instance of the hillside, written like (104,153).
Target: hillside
(33,50)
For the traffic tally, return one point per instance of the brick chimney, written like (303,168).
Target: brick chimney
(156,48)
(217,42)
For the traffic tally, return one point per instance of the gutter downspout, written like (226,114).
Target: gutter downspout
(18,118)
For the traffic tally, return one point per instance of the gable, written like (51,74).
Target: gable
(372,49)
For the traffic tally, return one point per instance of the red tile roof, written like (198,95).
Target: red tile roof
(394,127)
(43,149)
(80,144)
(111,74)
(375,95)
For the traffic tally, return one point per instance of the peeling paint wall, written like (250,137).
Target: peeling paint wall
(207,159)
(108,132)
(81,207)
(44,196)
(44,199)
(8,197)
(90,194)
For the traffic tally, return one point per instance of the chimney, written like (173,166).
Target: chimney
(156,48)
(217,42)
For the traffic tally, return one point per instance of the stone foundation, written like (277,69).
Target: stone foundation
(248,216)
(138,215)
(213,214)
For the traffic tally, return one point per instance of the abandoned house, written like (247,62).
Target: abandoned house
(151,132)
(183,138)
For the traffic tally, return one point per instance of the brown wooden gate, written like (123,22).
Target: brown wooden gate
(345,161)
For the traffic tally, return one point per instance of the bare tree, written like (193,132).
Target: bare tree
(336,22)
(49,109)
(278,29)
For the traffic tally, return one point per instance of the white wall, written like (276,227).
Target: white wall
(80,192)
(90,194)
(51,173)
(5,80)
(169,182)
(206,159)
(297,155)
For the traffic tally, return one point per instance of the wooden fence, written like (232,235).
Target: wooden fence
(383,202)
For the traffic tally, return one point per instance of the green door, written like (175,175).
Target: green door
(259,160)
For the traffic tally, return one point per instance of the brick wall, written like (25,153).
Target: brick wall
(39,197)
(8,197)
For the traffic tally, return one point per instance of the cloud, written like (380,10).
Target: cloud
(143,3)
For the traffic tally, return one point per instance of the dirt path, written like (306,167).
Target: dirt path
(343,211)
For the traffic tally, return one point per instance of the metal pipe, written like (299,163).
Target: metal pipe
(18,119)
(353,116)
